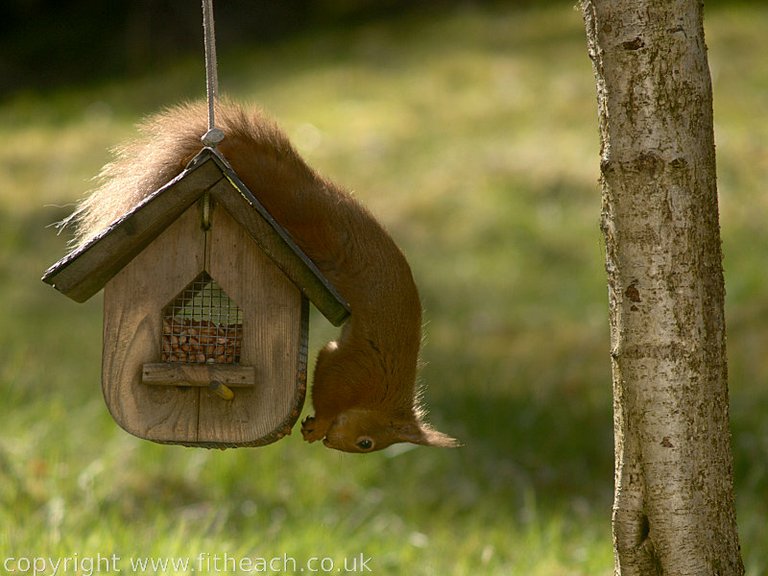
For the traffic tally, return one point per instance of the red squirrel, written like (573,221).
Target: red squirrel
(364,392)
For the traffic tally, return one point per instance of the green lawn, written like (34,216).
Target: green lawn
(472,135)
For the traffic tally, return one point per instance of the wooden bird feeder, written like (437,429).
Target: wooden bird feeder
(206,302)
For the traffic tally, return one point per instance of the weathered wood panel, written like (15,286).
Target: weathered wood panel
(133,303)
(272,336)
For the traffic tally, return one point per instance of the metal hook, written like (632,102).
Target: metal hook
(206,211)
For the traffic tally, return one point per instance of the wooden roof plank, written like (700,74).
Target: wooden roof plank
(85,271)
(275,241)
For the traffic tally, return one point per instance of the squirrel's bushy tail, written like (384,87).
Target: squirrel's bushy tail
(166,141)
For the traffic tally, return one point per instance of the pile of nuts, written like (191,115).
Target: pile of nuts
(200,341)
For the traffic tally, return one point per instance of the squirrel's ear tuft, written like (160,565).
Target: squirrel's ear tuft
(423,434)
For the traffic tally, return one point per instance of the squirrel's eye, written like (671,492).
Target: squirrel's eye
(364,443)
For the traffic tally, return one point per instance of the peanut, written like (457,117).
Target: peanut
(201,341)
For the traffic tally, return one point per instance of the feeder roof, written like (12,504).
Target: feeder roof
(85,270)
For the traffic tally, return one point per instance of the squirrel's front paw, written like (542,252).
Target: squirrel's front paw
(312,430)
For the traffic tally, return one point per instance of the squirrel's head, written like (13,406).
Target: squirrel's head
(361,430)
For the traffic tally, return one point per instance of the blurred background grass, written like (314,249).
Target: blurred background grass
(470,131)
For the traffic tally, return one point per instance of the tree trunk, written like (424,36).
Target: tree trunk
(673,509)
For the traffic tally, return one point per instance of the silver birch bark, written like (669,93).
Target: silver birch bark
(673,509)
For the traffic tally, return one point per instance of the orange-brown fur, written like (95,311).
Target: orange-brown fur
(364,392)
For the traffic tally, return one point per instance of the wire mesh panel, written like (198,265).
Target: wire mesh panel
(202,325)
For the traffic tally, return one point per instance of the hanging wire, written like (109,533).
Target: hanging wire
(213,136)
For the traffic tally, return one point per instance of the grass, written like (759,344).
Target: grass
(472,135)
